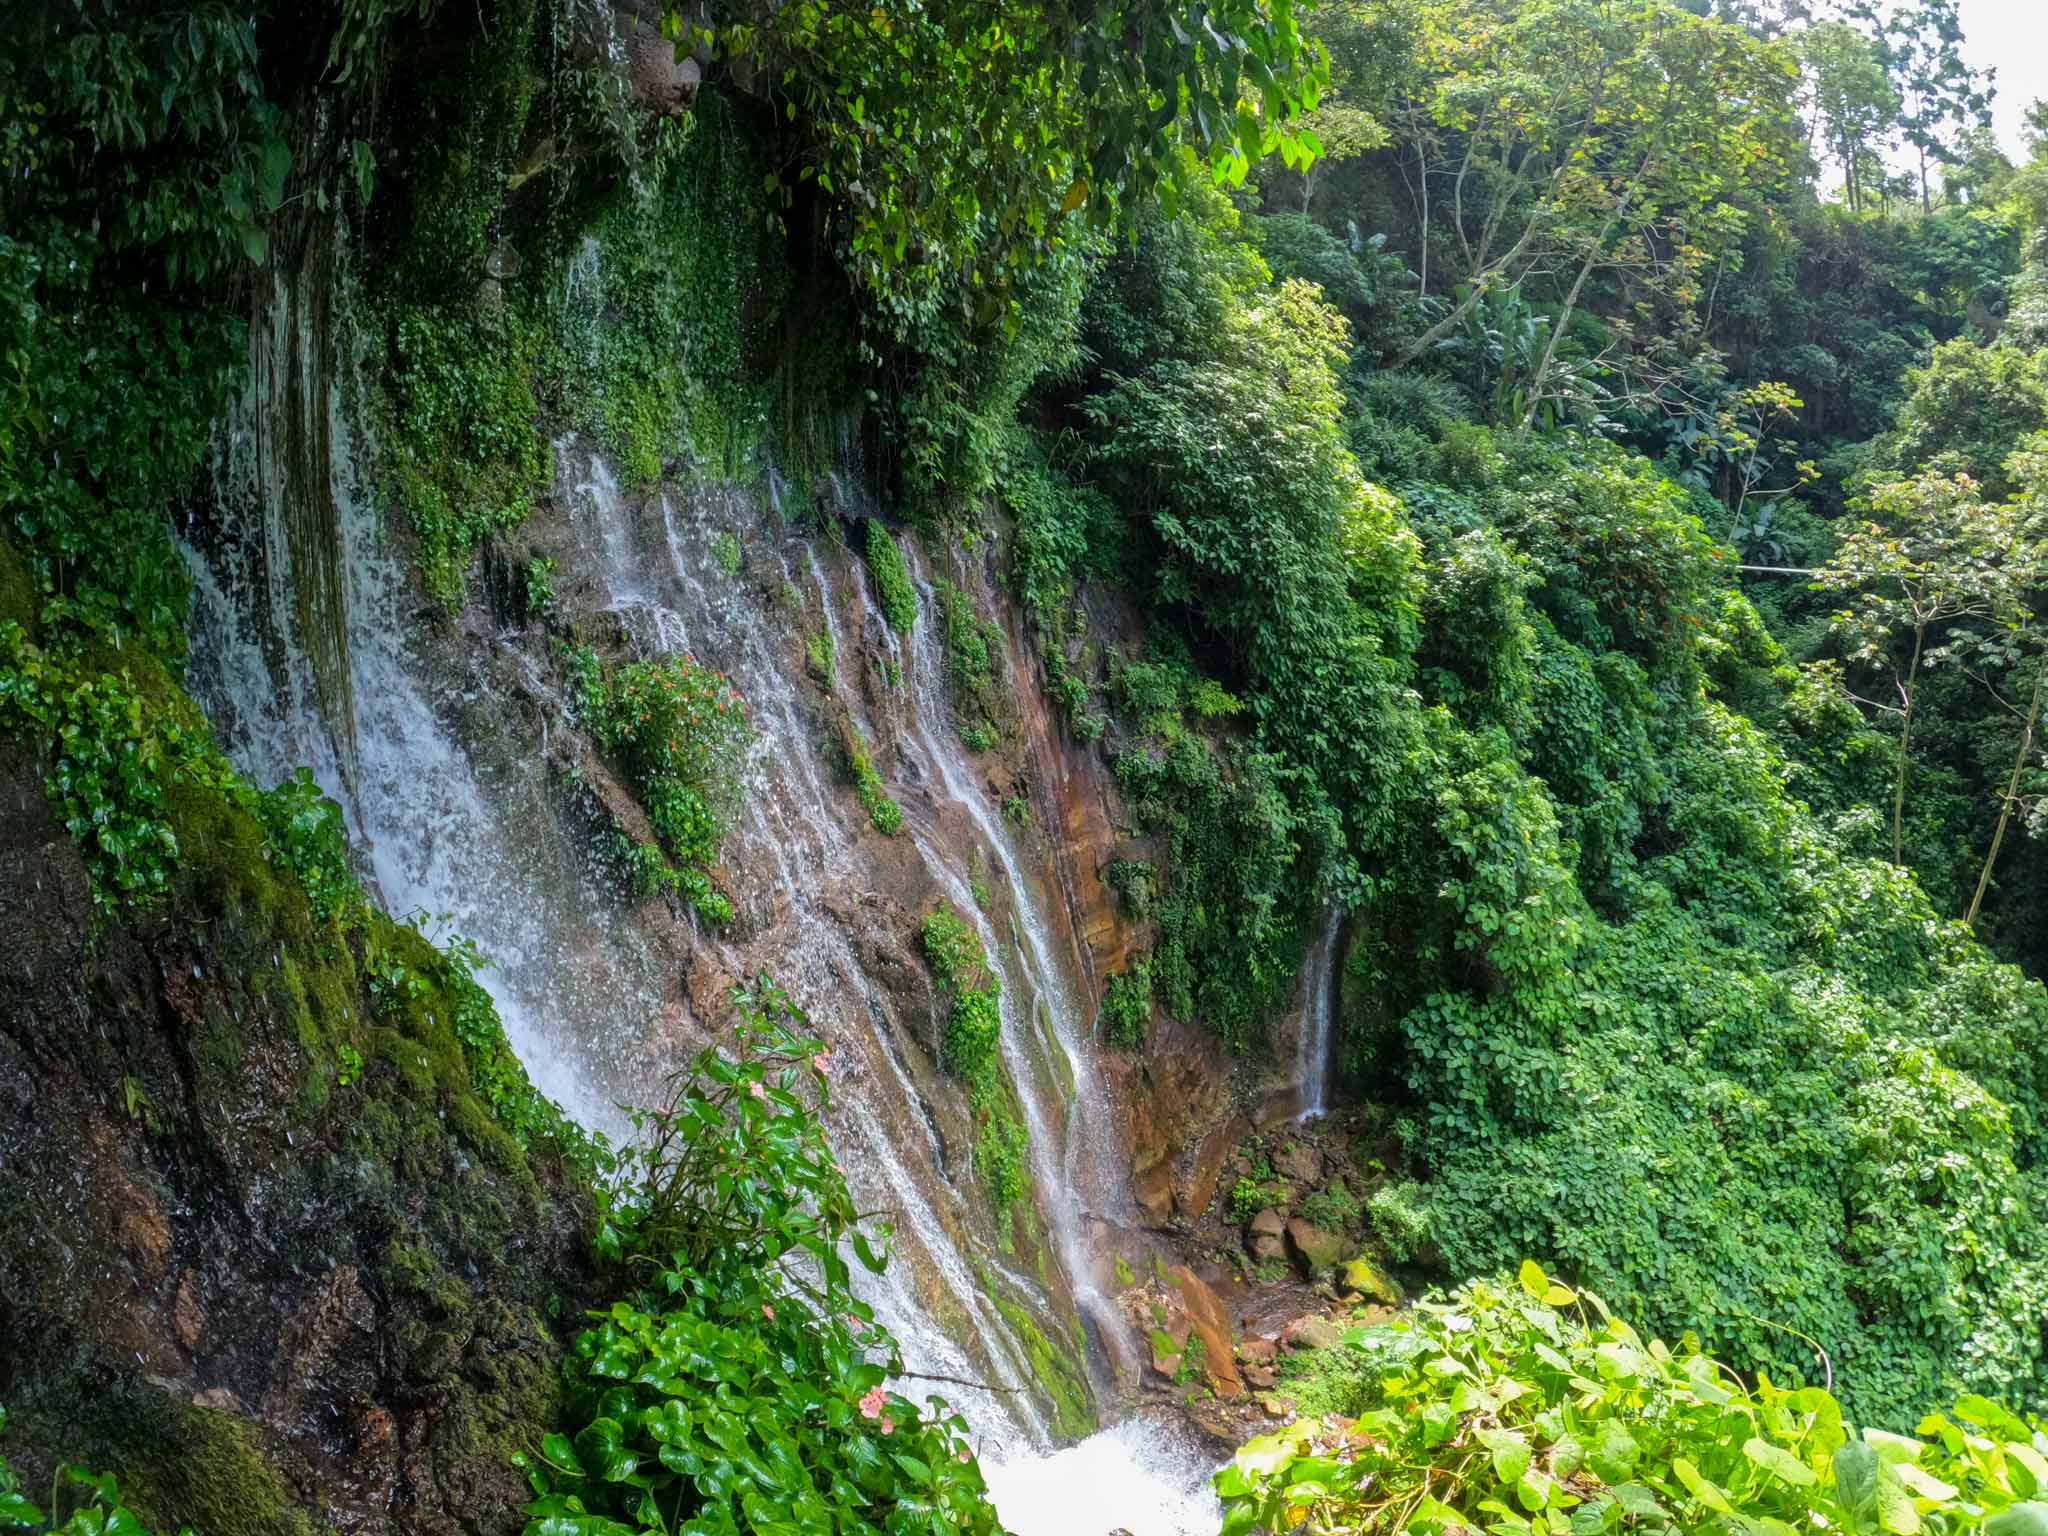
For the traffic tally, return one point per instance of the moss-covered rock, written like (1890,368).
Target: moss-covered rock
(274,1287)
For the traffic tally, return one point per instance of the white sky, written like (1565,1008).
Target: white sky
(2011,35)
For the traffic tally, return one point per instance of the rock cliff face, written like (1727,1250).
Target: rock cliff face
(273,1292)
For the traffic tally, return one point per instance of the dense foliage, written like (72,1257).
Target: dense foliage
(1520,1407)
(742,1386)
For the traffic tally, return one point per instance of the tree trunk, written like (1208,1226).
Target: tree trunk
(1571,302)
(1905,746)
(2012,789)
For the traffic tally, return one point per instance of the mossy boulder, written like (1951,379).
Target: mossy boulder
(275,1288)
(1363,1277)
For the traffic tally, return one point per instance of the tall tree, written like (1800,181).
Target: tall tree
(1939,94)
(1855,106)
(1546,140)
(1937,556)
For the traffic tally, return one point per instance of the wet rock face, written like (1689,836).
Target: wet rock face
(271,1302)
(1180,1121)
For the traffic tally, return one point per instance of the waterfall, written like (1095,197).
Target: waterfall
(797,847)
(1318,1016)
(435,738)
(1071,1121)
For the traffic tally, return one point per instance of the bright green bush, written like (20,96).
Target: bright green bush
(111,757)
(1126,1007)
(722,1393)
(893,587)
(1522,1407)
(680,731)
(308,837)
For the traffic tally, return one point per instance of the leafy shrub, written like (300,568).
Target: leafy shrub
(1126,1007)
(1495,1410)
(680,730)
(94,1498)
(974,1024)
(893,586)
(979,737)
(460,443)
(725,549)
(884,814)
(1333,1207)
(999,1149)
(307,836)
(1400,1220)
(722,1387)
(1249,1196)
(111,757)
(539,580)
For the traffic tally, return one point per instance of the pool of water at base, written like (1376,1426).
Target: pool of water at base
(1147,1475)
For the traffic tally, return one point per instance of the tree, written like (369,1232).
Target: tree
(1546,142)
(2021,646)
(1854,104)
(1938,93)
(955,138)
(1940,555)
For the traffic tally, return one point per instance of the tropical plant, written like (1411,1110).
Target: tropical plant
(1522,1407)
(742,1386)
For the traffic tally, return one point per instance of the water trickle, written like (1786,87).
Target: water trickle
(1318,1016)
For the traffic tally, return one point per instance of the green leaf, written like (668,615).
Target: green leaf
(2028,1519)
(1856,1474)
(1700,1488)
(1779,1462)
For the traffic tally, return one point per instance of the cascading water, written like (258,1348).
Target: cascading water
(1071,1121)
(436,744)
(670,590)
(1318,1016)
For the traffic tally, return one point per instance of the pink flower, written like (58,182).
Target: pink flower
(822,1063)
(964,1457)
(758,1092)
(871,1404)
(888,1426)
(854,1324)
(767,1311)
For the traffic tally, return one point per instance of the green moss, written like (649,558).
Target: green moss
(893,588)
(1058,1369)
(19,600)
(179,1465)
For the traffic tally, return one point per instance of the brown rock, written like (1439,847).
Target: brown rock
(1311,1332)
(1268,1223)
(188,1322)
(1211,1320)
(1259,1377)
(1300,1161)
(1276,1407)
(1198,1190)
(1257,1351)
(1153,1191)
(1265,1247)
(1315,1251)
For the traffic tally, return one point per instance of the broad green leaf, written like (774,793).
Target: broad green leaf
(1700,1488)
(1923,1483)
(2028,1519)
(1856,1471)
(1779,1462)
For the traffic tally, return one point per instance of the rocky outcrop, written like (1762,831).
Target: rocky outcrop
(1180,1120)
(1315,1252)
(276,1291)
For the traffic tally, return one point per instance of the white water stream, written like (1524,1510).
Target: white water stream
(1318,1016)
